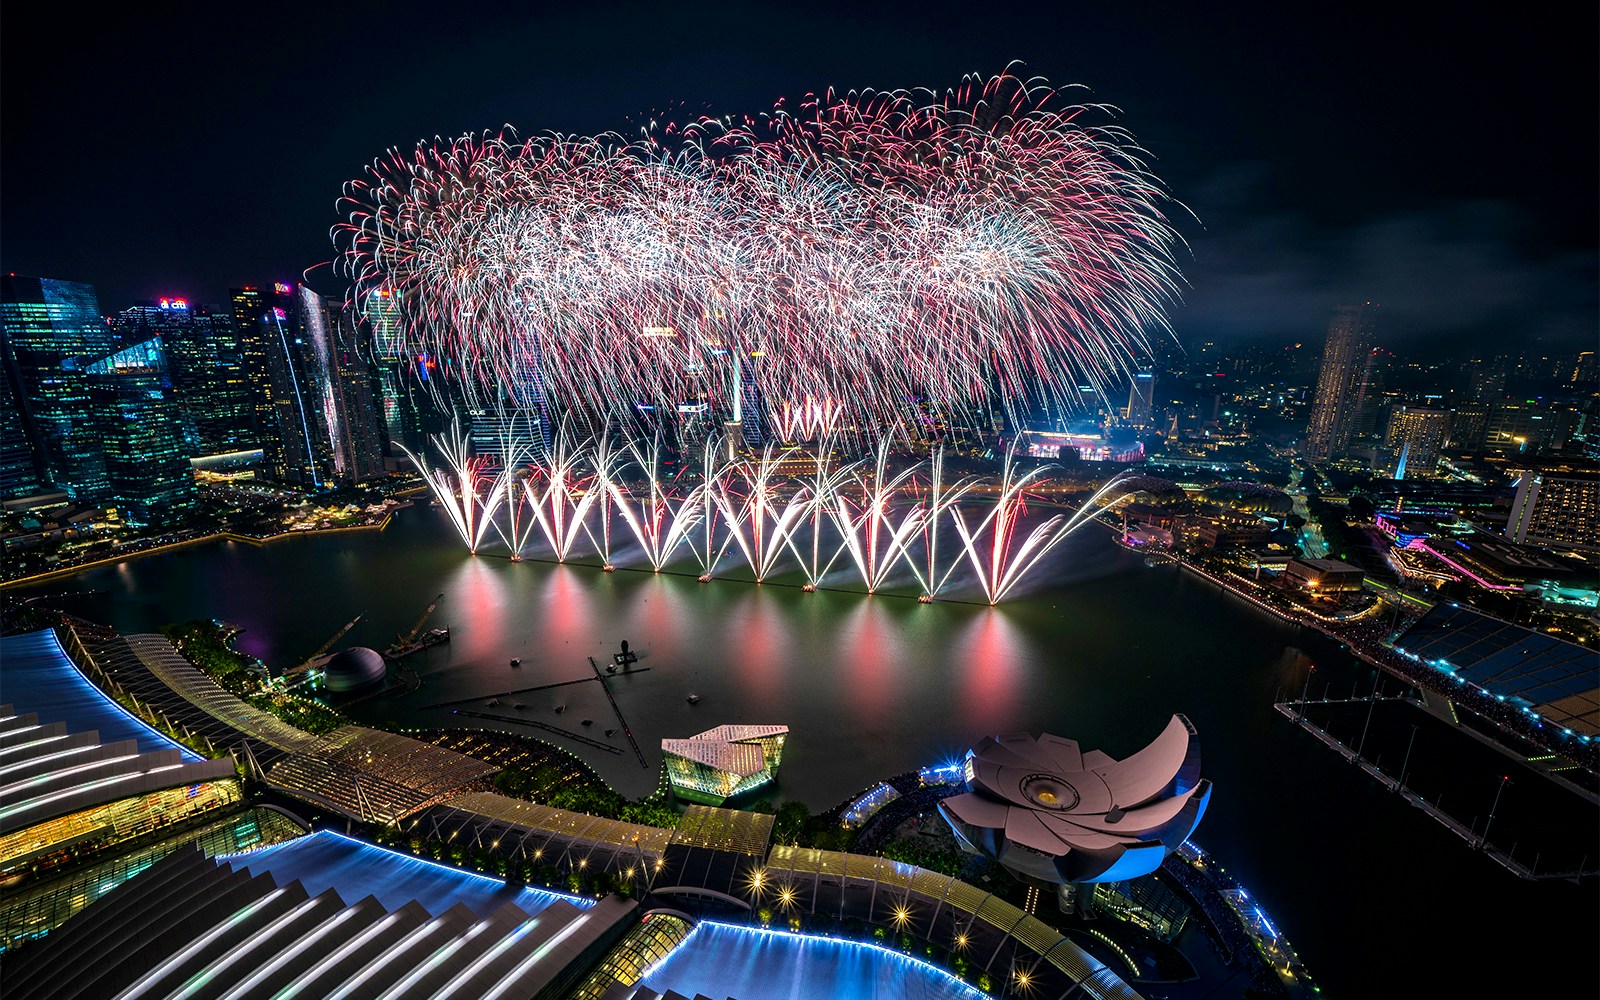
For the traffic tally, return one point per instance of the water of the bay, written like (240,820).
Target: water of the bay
(1378,900)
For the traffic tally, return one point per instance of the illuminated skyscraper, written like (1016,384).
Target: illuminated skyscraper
(1486,378)
(313,395)
(1141,399)
(749,407)
(1342,382)
(1527,425)
(52,330)
(206,361)
(1469,422)
(1560,511)
(520,421)
(139,428)
(253,312)
(1418,432)
(1584,371)
(398,385)
(19,465)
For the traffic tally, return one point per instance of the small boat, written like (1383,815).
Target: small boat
(694,699)
(588,722)
(515,662)
(494,702)
(611,732)
(518,705)
(561,707)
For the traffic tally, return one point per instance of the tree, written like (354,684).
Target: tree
(791,822)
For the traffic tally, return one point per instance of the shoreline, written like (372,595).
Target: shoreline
(225,536)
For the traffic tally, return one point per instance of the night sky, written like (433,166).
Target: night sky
(1440,163)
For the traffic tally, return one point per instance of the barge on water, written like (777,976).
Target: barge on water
(432,637)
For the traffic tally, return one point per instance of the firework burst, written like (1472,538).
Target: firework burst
(889,260)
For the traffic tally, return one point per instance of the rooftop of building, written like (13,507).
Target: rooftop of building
(1558,680)
(1325,565)
(41,678)
(724,830)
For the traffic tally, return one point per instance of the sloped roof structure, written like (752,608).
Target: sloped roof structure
(262,926)
(1558,680)
(727,748)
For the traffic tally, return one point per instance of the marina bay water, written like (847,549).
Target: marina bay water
(1103,650)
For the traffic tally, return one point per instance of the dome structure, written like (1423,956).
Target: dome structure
(353,669)
(1051,813)
(1151,489)
(1253,497)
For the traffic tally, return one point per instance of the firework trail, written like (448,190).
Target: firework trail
(662,521)
(878,529)
(882,258)
(887,521)
(469,495)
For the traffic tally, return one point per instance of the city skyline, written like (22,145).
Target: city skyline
(1309,186)
(863,390)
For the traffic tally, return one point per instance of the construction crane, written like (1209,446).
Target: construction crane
(405,645)
(325,646)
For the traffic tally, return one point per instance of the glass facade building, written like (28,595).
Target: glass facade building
(254,310)
(52,330)
(723,762)
(87,831)
(141,434)
(206,363)
(397,388)
(38,909)
(19,464)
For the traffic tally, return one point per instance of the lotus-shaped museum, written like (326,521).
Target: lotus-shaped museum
(1052,813)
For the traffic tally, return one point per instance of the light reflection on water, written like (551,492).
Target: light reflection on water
(869,685)
(1103,651)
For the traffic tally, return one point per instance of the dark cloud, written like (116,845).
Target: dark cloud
(1466,272)
(1439,162)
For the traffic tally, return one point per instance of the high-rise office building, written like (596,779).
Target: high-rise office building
(398,387)
(291,338)
(320,422)
(750,411)
(358,438)
(315,408)
(52,331)
(1342,383)
(516,421)
(1584,372)
(256,315)
(1526,425)
(1469,422)
(1418,433)
(1486,378)
(206,362)
(1141,399)
(19,463)
(139,428)
(1559,511)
